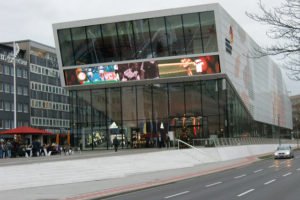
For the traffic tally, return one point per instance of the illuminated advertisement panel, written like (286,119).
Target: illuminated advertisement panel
(104,74)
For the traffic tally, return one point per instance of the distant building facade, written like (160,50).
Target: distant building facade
(180,71)
(296,115)
(41,101)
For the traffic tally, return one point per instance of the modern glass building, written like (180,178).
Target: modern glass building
(182,70)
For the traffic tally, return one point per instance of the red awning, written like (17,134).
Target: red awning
(25,130)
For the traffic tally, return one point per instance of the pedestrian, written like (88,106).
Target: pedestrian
(116,143)
(9,147)
(168,140)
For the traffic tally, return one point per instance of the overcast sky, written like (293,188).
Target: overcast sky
(33,19)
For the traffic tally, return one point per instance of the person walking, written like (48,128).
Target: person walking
(116,143)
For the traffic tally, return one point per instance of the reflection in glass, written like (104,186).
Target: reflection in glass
(129,103)
(95,43)
(193,98)
(160,101)
(81,53)
(209,35)
(66,49)
(113,105)
(175,35)
(144,102)
(142,38)
(110,49)
(126,40)
(158,37)
(192,33)
(176,99)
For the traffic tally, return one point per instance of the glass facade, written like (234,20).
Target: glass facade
(138,114)
(144,38)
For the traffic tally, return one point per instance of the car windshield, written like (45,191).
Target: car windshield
(283,148)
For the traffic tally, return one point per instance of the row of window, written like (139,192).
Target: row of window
(9,70)
(9,106)
(8,88)
(145,38)
(48,88)
(8,124)
(49,105)
(44,71)
(49,61)
(39,121)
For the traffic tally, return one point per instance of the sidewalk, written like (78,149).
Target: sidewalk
(70,182)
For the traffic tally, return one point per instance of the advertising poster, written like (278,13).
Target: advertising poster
(142,70)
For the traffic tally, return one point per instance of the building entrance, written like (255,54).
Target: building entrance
(189,128)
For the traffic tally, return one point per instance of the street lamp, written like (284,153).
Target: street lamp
(16,52)
(279,141)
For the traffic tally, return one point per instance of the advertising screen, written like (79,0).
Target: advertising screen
(142,70)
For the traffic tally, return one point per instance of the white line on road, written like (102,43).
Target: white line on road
(287,174)
(213,184)
(241,176)
(298,169)
(242,194)
(258,171)
(175,195)
(271,181)
(271,166)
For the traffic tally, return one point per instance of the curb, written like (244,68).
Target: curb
(149,184)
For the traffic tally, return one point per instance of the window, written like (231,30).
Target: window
(125,34)
(95,43)
(142,38)
(110,48)
(7,106)
(12,89)
(159,37)
(1,87)
(1,69)
(20,107)
(19,72)
(19,90)
(7,88)
(25,91)
(1,105)
(66,48)
(208,28)
(12,71)
(25,108)
(192,34)
(1,124)
(6,70)
(25,73)
(175,35)
(80,48)
(7,124)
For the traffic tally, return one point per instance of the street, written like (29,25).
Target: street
(266,179)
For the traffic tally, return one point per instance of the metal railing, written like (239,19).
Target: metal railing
(220,142)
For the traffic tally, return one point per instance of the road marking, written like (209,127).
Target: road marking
(178,194)
(213,184)
(287,174)
(298,169)
(271,181)
(240,176)
(271,166)
(258,171)
(242,194)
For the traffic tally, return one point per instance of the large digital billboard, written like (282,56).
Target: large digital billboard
(103,74)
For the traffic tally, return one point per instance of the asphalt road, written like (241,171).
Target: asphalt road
(266,179)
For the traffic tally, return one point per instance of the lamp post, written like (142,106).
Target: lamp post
(279,141)
(15,54)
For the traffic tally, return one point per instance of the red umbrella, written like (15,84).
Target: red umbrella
(25,130)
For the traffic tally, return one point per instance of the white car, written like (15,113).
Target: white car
(284,151)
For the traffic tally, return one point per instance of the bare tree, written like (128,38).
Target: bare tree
(285,29)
